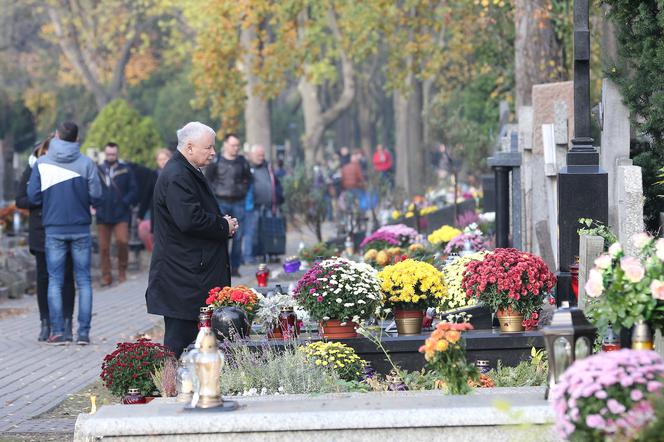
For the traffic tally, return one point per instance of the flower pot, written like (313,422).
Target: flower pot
(275,333)
(333,329)
(409,322)
(230,323)
(510,321)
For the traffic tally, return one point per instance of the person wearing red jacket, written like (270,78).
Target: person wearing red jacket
(382,161)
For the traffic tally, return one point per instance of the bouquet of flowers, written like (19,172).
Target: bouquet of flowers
(412,285)
(509,279)
(605,396)
(269,309)
(443,235)
(380,240)
(336,356)
(453,274)
(132,364)
(339,289)
(472,236)
(406,235)
(239,296)
(627,289)
(445,354)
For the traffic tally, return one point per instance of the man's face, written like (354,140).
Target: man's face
(258,155)
(111,154)
(162,159)
(232,146)
(200,151)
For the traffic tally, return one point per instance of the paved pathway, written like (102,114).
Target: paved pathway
(35,377)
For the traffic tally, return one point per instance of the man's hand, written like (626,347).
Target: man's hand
(233,225)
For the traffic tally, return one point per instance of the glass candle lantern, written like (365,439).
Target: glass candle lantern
(133,397)
(262,275)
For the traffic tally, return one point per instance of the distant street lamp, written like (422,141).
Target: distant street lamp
(582,183)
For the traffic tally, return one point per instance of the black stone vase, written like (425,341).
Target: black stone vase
(230,323)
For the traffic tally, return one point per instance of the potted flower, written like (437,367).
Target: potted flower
(234,309)
(624,289)
(453,274)
(445,354)
(443,235)
(380,240)
(471,240)
(317,251)
(408,288)
(277,316)
(512,283)
(404,234)
(339,293)
(131,365)
(606,396)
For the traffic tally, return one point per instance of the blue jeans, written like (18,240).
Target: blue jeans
(250,235)
(236,210)
(57,246)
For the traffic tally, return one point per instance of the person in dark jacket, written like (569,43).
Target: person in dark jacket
(190,238)
(119,193)
(146,179)
(66,183)
(230,177)
(36,239)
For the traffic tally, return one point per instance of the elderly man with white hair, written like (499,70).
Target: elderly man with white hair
(190,238)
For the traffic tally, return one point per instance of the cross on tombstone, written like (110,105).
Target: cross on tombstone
(582,184)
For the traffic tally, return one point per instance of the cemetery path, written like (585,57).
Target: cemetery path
(35,377)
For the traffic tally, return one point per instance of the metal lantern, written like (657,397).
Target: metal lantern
(568,337)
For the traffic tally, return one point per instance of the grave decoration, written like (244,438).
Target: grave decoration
(409,287)
(317,251)
(608,396)
(445,353)
(131,366)
(453,274)
(276,314)
(624,290)
(336,356)
(339,293)
(234,309)
(511,282)
(442,236)
(471,240)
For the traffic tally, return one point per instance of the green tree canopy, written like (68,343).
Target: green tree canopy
(137,136)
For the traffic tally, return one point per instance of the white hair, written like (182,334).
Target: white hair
(255,147)
(191,130)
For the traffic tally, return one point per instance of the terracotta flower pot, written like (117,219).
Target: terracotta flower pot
(275,333)
(332,329)
(510,321)
(409,322)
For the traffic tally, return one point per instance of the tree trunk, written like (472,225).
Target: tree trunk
(315,120)
(538,53)
(609,42)
(366,116)
(410,158)
(256,110)
(8,185)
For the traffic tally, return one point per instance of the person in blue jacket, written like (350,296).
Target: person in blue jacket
(119,193)
(66,184)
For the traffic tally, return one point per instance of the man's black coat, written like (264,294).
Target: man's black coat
(190,242)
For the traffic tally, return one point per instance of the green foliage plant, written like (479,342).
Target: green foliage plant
(271,371)
(136,136)
(305,202)
(319,250)
(531,373)
(592,227)
(337,356)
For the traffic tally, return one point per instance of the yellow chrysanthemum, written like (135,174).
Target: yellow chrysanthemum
(444,235)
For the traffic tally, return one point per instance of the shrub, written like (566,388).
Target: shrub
(136,136)
(268,371)
(131,365)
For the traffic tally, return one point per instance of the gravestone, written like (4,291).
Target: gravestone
(553,104)
(614,149)
(488,193)
(629,206)
(525,146)
(590,247)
